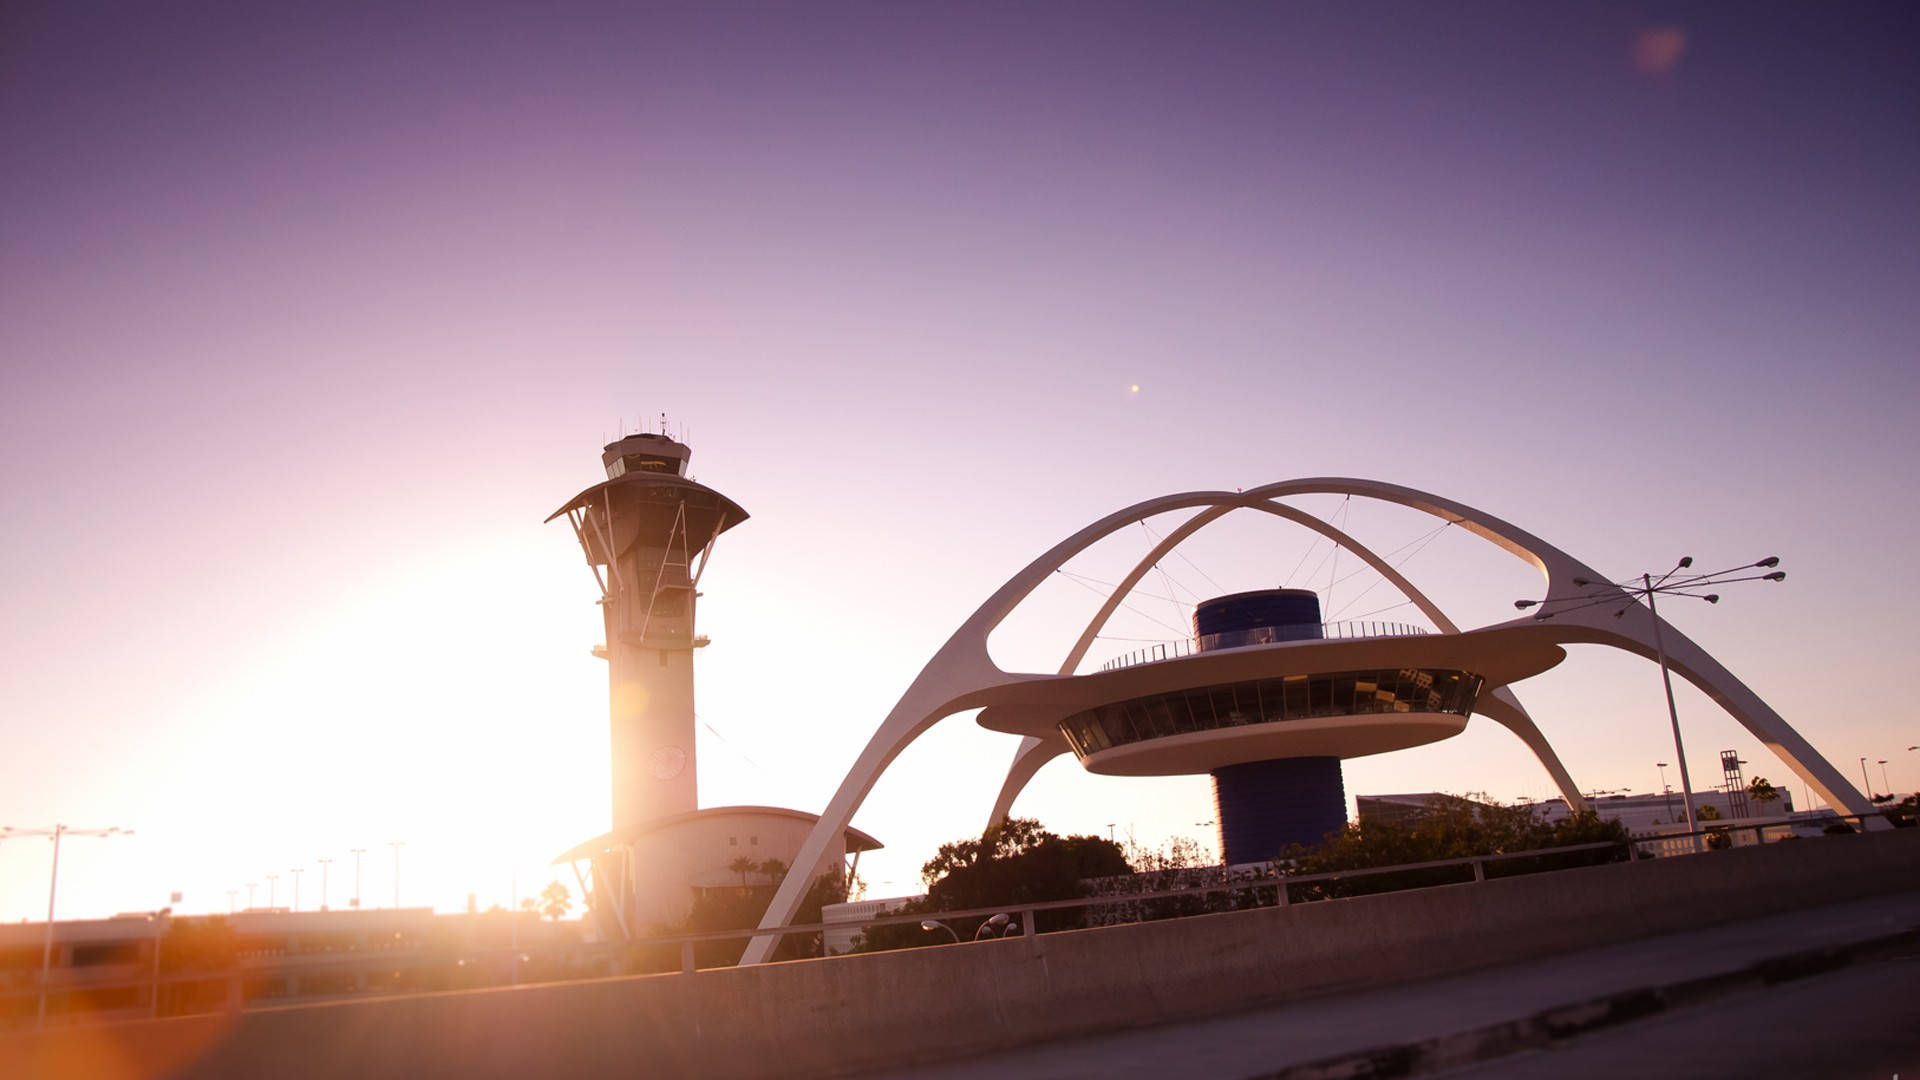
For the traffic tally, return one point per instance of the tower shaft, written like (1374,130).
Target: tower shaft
(649,619)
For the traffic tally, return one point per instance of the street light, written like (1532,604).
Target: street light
(396,845)
(1614,592)
(250,887)
(273,893)
(930,925)
(1886,785)
(357,852)
(988,929)
(324,863)
(296,872)
(1864,782)
(1664,789)
(53,886)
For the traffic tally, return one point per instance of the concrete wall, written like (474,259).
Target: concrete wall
(826,1016)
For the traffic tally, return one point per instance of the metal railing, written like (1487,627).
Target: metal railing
(1273,887)
(1333,631)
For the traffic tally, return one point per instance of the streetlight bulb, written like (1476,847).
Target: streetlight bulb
(1712,598)
(1771,560)
(1582,582)
(1685,561)
(1524,604)
(1777,575)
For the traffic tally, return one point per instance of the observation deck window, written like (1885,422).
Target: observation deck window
(1268,701)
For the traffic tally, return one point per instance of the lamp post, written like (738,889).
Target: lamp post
(1665,791)
(1886,785)
(1644,590)
(273,893)
(357,852)
(1864,782)
(930,925)
(324,863)
(53,887)
(997,926)
(250,887)
(296,872)
(396,845)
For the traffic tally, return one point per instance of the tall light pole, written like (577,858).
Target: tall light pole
(273,893)
(53,887)
(357,852)
(296,872)
(1664,789)
(1644,590)
(396,845)
(1886,785)
(250,887)
(324,863)
(1866,783)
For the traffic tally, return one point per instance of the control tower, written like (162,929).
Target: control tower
(647,533)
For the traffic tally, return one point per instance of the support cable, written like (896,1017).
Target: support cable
(1075,578)
(1404,560)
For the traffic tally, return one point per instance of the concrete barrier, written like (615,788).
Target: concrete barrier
(815,1017)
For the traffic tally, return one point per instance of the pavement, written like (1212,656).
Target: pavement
(1432,1025)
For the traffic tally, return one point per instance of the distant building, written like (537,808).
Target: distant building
(1650,816)
(131,967)
(855,912)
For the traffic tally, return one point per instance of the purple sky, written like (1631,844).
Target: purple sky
(310,313)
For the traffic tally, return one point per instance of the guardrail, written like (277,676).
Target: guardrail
(1333,631)
(1264,888)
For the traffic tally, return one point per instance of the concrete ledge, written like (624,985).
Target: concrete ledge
(815,1017)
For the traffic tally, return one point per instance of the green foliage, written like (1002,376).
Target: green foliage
(1450,829)
(1762,791)
(555,900)
(1019,862)
(1707,813)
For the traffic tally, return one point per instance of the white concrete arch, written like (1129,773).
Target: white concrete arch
(954,679)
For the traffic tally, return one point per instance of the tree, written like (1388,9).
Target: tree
(774,869)
(1707,813)
(555,899)
(1450,828)
(1017,862)
(1762,791)
(742,866)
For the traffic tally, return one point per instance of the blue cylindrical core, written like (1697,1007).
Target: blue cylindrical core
(1256,618)
(1263,806)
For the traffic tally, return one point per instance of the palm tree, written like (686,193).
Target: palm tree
(742,866)
(774,869)
(1762,792)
